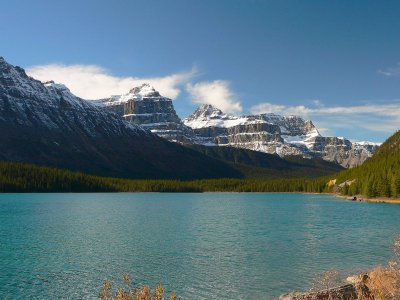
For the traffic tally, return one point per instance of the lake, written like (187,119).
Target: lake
(204,246)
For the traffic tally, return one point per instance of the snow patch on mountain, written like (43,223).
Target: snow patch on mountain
(140,93)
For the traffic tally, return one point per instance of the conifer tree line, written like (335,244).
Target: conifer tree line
(18,177)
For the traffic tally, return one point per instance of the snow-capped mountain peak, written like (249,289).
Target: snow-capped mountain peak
(207,115)
(145,106)
(144,91)
(140,93)
(207,111)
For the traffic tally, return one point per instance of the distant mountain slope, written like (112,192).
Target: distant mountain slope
(47,125)
(254,164)
(377,177)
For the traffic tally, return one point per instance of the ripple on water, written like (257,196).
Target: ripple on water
(204,246)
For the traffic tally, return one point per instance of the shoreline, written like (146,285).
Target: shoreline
(361,198)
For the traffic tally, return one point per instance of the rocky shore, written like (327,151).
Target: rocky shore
(345,292)
(380,283)
(361,198)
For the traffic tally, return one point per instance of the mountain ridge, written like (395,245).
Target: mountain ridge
(207,125)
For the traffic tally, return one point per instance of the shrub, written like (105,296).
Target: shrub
(130,293)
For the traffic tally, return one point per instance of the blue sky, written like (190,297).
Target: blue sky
(335,62)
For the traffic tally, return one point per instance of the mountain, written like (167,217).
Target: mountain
(274,134)
(47,125)
(145,106)
(269,133)
(377,177)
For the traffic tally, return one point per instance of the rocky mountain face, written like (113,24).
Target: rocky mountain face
(274,134)
(47,125)
(266,133)
(209,126)
(145,106)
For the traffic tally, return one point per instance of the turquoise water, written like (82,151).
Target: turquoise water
(204,246)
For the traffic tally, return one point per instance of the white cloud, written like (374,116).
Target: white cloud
(215,92)
(373,117)
(391,71)
(94,82)
(266,107)
(389,109)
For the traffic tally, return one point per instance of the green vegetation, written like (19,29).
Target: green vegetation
(378,176)
(18,177)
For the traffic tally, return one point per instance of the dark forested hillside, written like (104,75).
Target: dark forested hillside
(378,176)
(254,164)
